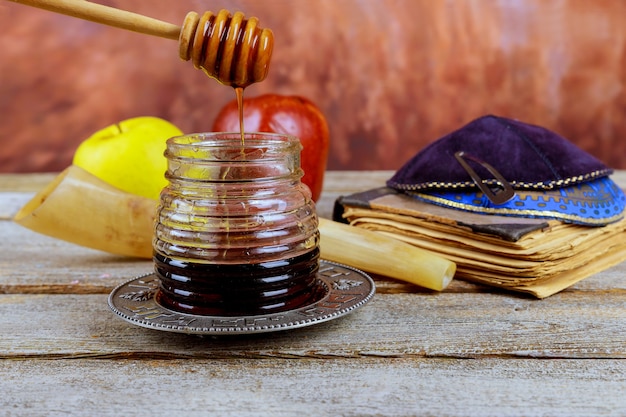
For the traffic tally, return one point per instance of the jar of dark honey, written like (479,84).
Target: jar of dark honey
(236,230)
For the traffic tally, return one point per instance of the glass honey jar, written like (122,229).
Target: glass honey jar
(236,230)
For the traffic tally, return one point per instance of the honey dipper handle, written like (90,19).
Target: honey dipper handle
(107,16)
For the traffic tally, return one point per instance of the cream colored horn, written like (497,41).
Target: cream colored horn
(376,253)
(80,208)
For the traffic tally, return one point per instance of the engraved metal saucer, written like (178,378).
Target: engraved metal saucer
(346,289)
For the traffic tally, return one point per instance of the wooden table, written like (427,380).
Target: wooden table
(468,351)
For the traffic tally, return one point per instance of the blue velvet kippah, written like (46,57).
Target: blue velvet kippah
(495,165)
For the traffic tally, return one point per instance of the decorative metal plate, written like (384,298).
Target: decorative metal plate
(346,290)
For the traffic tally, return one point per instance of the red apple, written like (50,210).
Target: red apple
(291,115)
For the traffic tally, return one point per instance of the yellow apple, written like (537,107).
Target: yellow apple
(129,155)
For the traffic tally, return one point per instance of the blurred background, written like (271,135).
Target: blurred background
(391,76)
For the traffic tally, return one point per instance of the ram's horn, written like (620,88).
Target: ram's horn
(380,254)
(80,208)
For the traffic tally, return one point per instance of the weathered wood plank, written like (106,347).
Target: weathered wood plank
(45,265)
(25,182)
(342,387)
(31,262)
(11,202)
(567,325)
(34,263)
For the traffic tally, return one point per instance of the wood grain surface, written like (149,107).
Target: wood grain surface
(467,351)
(325,387)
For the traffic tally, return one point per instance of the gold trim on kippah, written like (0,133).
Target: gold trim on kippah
(551,185)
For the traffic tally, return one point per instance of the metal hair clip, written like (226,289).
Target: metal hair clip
(500,194)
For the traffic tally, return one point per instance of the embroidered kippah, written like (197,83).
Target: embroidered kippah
(527,156)
(495,165)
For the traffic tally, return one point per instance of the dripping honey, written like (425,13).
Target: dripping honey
(239,94)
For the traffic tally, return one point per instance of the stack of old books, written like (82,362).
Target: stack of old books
(539,239)
(537,256)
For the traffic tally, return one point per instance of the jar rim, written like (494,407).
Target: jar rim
(226,147)
(205,140)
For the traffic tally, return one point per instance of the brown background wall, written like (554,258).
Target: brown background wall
(390,75)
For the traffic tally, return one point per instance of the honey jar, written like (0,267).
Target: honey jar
(236,230)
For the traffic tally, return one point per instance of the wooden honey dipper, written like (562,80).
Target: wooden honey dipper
(230,48)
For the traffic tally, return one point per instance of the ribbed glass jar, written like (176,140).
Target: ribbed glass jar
(236,231)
